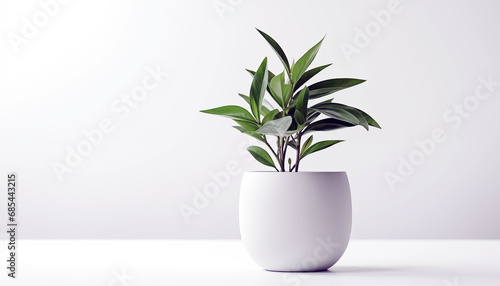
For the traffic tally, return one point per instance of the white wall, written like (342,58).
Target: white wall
(67,75)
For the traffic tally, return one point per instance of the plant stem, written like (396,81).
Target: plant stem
(269,146)
(272,150)
(285,148)
(282,141)
(299,136)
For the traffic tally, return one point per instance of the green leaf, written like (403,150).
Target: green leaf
(269,78)
(321,103)
(306,145)
(277,49)
(231,111)
(320,146)
(303,63)
(332,110)
(308,75)
(330,86)
(302,101)
(291,144)
(250,133)
(276,127)
(286,91)
(249,126)
(299,118)
(261,155)
(270,116)
(326,125)
(258,89)
(275,85)
(311,115)
(364,119)
(264,110)
(369,119)
(270,74)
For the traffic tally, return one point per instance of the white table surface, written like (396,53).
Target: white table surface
(225,262)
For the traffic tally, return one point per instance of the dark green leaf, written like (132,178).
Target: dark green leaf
(261,155)
(320,146)
(306,144)
(258,89)
(303,63)
(302,101)
(327,125)
(332,110)
(299,118)
(231,111)
(364,119)
(277,49)
(369,119)
(323,102)
(311,115)
(330,86)
(308,75)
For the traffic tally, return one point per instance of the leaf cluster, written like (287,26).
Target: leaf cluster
(297,113)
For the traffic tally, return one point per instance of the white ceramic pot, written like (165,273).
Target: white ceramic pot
(295,221)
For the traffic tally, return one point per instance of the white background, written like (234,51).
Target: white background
(67,75)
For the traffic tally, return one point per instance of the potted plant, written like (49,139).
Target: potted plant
(291,220)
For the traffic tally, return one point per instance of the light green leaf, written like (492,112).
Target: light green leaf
(261,155)
(303,63)
(320,146)
(277,127)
